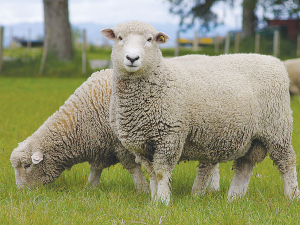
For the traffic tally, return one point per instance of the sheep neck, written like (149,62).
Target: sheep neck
(140,101)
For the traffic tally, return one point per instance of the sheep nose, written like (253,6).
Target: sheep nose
(132,59)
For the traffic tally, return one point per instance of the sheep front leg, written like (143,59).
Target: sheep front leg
(241,178)
(214,181)
(148,166)
(165,158)
(207,176)
(138,178)
(129,162)
(94,176)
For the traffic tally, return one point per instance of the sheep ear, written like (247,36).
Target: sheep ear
(37,157)
(108,33)
(162,38)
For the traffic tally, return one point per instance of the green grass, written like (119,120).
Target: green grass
(27,64)
(25,103)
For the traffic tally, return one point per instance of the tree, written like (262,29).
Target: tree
(281,9)
(249,20)
(57,25)
(189,11)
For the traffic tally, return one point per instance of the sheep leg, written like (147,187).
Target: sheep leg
(294,89)
(152,178)
(285,160)
(214,181)
(138,178)
(166,156)
(241,178)
(94,176)
(207,176)
(128,161)
(163,176)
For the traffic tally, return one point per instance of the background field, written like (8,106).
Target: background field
(24,63)
(25,103)
(27,99)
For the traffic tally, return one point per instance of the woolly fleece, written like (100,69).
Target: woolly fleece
(209,109)
(293,68)
(78,132)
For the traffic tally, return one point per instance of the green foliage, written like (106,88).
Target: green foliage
(280,8)
(26,103)
(190,11)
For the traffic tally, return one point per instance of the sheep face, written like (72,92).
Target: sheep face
(28,165)
(135,48)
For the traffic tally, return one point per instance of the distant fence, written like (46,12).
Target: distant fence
(196,42)
(29,44)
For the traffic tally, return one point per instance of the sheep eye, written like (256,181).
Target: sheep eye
(120,38)
(149,39)
(26,166)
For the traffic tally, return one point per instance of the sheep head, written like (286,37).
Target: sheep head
(135,48)
(32,166)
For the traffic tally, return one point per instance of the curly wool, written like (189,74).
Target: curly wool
(78,132)
(210,109)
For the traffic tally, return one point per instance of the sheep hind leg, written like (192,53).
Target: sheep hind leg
(241,178)
(94,176)
(285,160)
(207,176)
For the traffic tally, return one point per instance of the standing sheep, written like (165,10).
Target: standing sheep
(195,107)
(293,69)
(77,133)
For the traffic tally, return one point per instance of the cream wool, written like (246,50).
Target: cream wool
(293,68)
(209,109)
(78,132)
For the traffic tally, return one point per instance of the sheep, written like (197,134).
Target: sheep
(293,68)
(210,109)
(77,133)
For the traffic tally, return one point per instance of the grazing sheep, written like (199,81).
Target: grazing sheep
(77,133)
(293,68)
(209,109)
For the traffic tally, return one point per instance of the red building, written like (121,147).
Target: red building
(289,27)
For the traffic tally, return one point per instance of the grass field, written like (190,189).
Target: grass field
(25,103)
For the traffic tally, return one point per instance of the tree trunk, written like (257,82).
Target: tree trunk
(57,24)
(249,18)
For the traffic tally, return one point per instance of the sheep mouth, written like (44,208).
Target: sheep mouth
(132,68)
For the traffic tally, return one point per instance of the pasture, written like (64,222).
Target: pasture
(25,103)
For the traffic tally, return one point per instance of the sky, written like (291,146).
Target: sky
(106,11)
(156,12)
